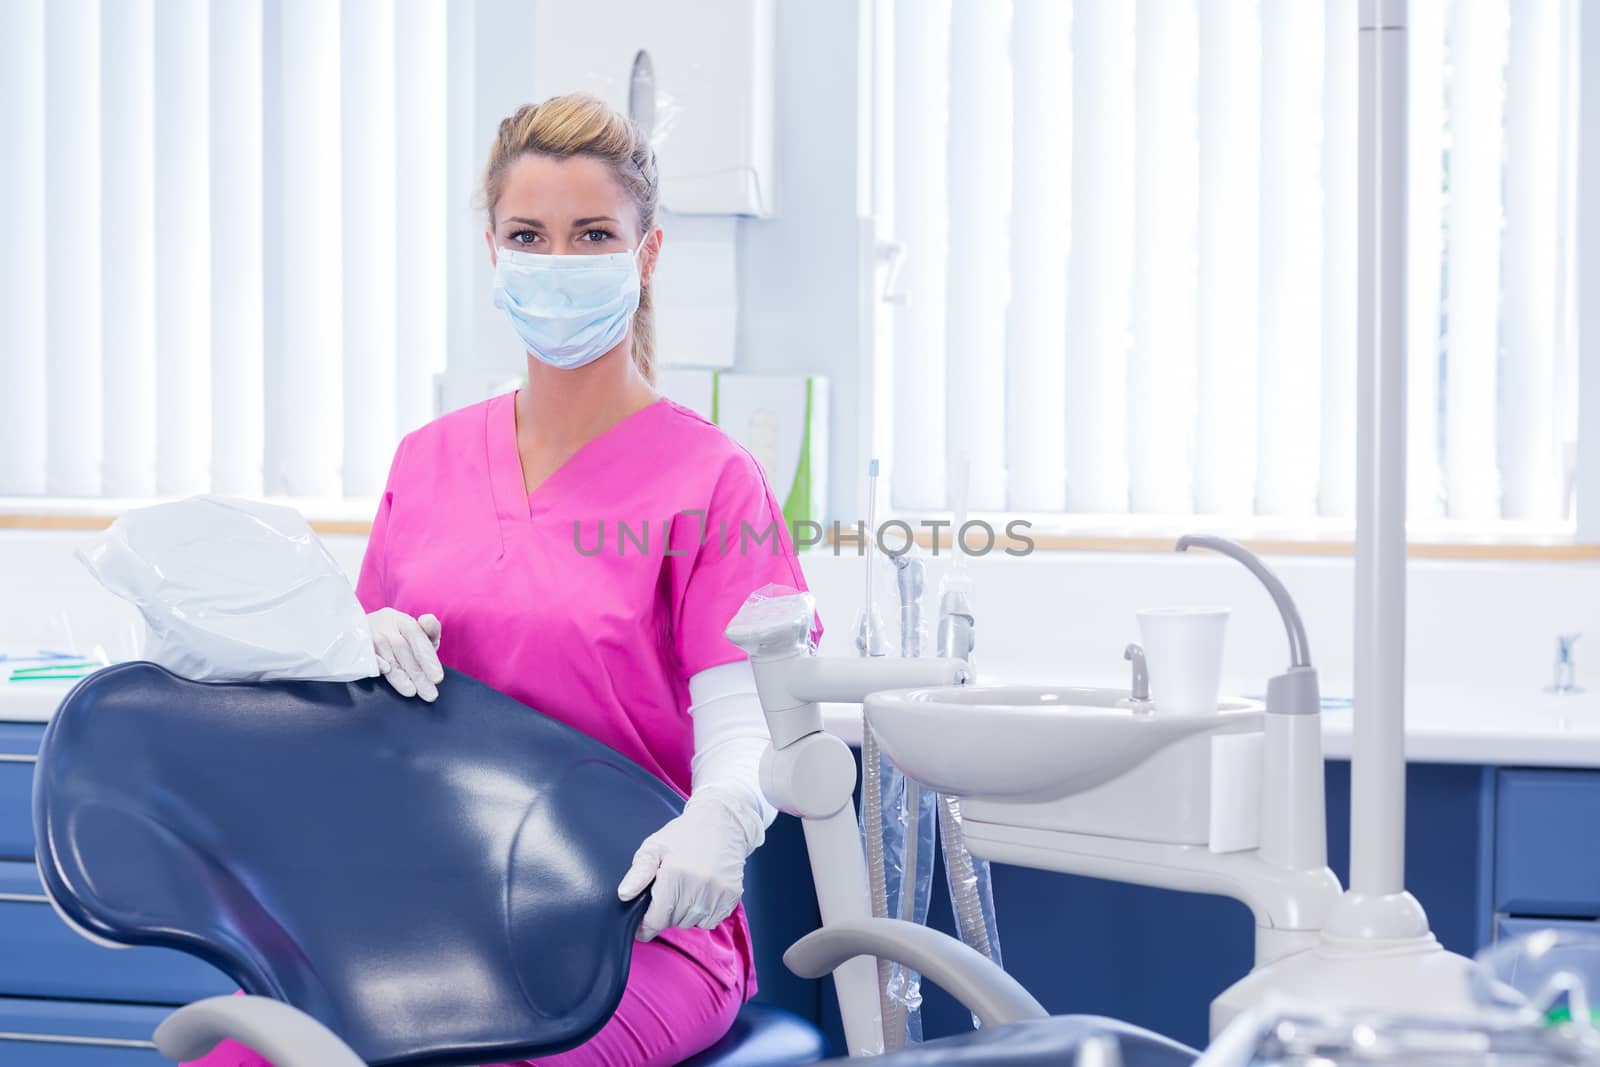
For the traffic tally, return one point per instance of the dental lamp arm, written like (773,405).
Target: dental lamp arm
(282,1033)
(987,991)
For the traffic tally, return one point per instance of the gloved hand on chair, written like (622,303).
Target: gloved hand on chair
(408,652)
(696,862)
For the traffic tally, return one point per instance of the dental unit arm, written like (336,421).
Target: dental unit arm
(811,774)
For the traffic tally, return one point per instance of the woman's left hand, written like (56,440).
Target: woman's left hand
(696,863)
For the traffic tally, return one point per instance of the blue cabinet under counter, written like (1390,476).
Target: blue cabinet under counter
(50,1033)
(44,957)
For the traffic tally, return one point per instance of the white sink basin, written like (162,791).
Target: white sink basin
(1030,743)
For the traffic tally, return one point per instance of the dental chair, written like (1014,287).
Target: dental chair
(389,882)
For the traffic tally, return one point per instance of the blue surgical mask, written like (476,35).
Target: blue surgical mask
(569,309)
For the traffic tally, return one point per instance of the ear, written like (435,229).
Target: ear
(494,251)
(650,254)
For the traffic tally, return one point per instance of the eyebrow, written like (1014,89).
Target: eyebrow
(576,222)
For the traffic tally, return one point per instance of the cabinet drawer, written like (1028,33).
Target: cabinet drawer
(48,1033)
(19,744)
(1545,862)
(1510,927)
(44,957)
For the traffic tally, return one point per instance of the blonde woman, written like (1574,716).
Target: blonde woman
(483,556)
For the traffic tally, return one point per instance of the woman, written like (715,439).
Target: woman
(483,556)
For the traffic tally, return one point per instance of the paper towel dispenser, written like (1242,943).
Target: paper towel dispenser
(697,73)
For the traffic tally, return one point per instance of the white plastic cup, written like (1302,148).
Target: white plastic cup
(1183,652)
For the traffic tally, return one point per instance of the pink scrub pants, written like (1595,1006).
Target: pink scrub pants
(671,1009)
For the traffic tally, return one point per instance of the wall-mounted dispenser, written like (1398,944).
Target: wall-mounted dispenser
(697,73)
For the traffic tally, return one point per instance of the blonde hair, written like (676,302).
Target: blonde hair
(580,125)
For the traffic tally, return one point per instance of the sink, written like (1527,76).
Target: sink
(1031,743)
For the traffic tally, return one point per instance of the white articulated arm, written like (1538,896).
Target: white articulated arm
(978,983)
(283,1034)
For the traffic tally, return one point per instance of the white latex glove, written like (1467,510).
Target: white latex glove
(408,652)
(696,862)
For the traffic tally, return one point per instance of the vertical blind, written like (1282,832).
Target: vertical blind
(1130,255)
(222,243)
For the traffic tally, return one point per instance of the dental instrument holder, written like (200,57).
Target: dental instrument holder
(811,774)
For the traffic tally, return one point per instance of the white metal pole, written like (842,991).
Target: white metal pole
(1378,768)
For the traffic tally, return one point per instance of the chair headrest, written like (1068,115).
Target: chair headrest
(434,882)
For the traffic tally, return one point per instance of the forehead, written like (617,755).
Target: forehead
(552,190)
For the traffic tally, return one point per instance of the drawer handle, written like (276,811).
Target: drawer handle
(23,898)
(17,757)
(67,1039)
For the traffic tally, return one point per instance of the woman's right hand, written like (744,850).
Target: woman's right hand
(408,652)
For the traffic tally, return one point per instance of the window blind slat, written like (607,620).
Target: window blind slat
(1162,410)
(1530,460)
(1291,258)
(371,222)
(1337,493)
(183,246)
(128,197)
(421,89)
(1100,267)
(73,221)
(1228,93)
(305,403)
(1041,234)
(237,248)
(1477,60)
(1425,33)
(22,247)
(922,87)
(978,271)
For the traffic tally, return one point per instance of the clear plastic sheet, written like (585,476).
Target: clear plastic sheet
(774,620)
(235,591)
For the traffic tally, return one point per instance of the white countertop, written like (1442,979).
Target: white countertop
(31,701)
(1443,725)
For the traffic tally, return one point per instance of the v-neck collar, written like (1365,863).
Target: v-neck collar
(513,503)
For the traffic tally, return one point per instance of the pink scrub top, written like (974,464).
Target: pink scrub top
(595,598)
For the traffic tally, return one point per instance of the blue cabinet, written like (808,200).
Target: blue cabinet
(19,743)
(1545,864)
(44,957)
(48,1033)
(64,1000)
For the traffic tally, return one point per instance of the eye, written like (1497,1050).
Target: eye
(524,237)
(596,236)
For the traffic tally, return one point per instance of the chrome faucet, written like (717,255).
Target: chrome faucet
(1566,679)
(1139,692)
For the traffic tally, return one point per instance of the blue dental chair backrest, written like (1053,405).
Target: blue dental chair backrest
(434,882)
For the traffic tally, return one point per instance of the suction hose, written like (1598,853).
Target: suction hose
(877,878)
(966,889)
(970,888)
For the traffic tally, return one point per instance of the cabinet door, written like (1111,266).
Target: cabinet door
(19,744)
(44,957)
(1545,861)
(1510,927)
(50,1033)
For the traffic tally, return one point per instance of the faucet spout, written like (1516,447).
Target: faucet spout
(1139,691)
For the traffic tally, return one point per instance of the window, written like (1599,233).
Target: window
(1127,244)
(222,243)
